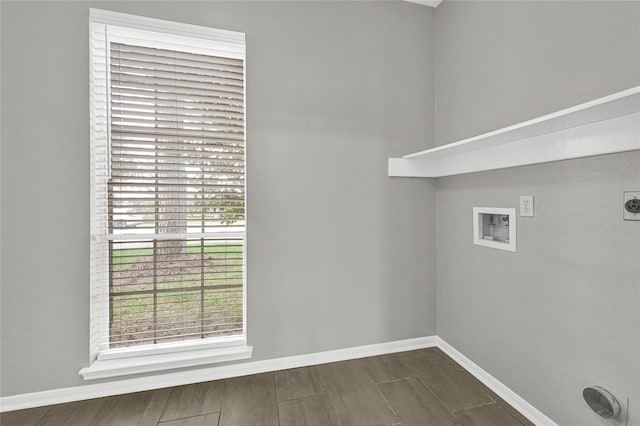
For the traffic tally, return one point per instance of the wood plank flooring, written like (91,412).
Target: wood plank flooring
(415,388)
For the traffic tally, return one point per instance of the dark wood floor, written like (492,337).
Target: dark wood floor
(423,387)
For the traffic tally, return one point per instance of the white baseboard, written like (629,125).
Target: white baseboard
(529,411)
(117,387)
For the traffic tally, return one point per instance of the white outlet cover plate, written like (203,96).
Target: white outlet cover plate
(630,195)
(526,205)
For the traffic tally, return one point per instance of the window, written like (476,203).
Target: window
(168,190)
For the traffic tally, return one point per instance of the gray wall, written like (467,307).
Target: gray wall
(563,312)
(339,255)
(503,62)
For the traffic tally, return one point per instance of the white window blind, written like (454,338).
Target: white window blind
(168,188)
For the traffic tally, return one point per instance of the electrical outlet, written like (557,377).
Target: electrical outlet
(526,205)
(631,206)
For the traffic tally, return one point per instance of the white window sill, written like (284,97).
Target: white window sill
(123,366)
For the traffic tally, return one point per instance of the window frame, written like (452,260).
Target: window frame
(161,356)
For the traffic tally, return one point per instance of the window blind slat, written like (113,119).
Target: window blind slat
(182,66)
(159,105)
(147,169)
(122,70)
(145,93)
(161,128)
(131,201)
(214,93)
(194,58)
(135,152)
(174,117)
(164,135)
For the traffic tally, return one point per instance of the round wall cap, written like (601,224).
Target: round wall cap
(601,401)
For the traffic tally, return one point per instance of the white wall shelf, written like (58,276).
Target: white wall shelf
(603,126)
